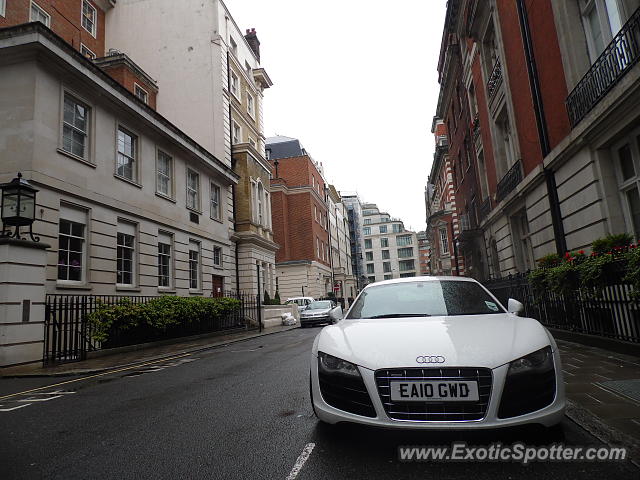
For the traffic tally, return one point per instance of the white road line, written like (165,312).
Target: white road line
(59,392)
(14,408)
(31,399)
(304,456)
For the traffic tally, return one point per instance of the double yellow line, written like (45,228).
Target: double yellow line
(110,372)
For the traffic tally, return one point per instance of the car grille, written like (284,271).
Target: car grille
(435,411)
(346,393)
(527,393)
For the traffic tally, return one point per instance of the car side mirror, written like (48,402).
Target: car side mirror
(515,307)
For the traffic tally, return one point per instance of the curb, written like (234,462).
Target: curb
(603,432)
(77,373)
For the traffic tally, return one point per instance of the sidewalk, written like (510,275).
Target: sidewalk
(118,360)
(603,393)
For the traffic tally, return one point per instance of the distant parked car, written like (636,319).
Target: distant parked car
(301,302)
(321,311)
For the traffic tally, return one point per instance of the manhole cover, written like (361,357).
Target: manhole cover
(628,388)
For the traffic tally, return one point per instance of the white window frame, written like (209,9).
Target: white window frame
(216,256)
(235,85)
(604,16)
(145,94)
(86,51)
(215,211)
(236,133)
(136,154)
(233,46)
(42,12)
(444,241)
(86,133)
(624,186)
(166,238)
(251,105)
(3,8)
(159,174)
(94,27)
(195,246)
(80,217)
(188,189)
(130,230)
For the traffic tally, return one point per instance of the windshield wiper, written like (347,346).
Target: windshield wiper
(396,315)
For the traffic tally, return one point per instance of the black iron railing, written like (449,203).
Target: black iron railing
(495,80)
(68,336)
(475,127)
(613,63)
(510,180)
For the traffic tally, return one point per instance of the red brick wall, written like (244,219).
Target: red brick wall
(293,215)
(65,21)
(125,77)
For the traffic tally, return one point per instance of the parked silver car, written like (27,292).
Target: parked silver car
(321,311)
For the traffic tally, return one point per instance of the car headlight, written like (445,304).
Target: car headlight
(331,365)
(538,361)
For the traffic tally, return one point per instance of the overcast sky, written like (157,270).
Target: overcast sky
(356,82)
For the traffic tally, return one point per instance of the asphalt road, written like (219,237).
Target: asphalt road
(241,411)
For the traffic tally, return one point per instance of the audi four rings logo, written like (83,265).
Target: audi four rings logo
(430,359)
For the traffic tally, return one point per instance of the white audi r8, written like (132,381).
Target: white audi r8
(436,352)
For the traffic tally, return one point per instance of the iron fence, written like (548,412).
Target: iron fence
(68,335)
(609,312)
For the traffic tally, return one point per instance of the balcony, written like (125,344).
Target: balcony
(612,64)
(495,80)
(485,208)
(475,128)
(510,180)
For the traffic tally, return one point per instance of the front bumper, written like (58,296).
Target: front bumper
(547,416)
(315,320)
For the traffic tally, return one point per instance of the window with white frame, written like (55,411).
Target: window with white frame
(444,241)
(235,85)
(384,242)
(126,166)
(367,221)
(369,256)
(38,14)
(217,256)
(602,20)
(628,172)
(71,245)
(141,93)
(89,17)
(215,201)
(86,51)
(366,230)
(193,190)
(236,133)
(233,46)
(164,174)
(260,203)
(396,228)
(125,254)
(383,229)
(194,265)
(386,255)
(165,263)
(250,105)
(318,247)
(367,243)
(3,8)
(75,127)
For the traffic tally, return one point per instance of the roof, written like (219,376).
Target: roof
(284,147)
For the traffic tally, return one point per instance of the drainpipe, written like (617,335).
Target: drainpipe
(233,187)
(543,134)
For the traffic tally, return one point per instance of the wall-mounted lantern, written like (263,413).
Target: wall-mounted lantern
(18,207)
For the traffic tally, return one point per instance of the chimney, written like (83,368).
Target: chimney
(254,43)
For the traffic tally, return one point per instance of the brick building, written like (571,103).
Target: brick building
(553,101)
(300,220)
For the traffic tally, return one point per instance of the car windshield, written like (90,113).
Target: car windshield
(426,298)
(321,305)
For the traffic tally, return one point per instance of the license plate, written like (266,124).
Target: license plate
(434,390)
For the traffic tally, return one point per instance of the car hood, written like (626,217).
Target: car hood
(323,311)
(464,341)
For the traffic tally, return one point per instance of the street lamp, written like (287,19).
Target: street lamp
(18,207)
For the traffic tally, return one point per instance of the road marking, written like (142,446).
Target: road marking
(304,456)
(31,399)
(14,408)
(94,376)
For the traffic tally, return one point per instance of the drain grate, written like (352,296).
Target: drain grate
(628,388)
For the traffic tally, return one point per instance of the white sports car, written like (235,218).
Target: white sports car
(436,352)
